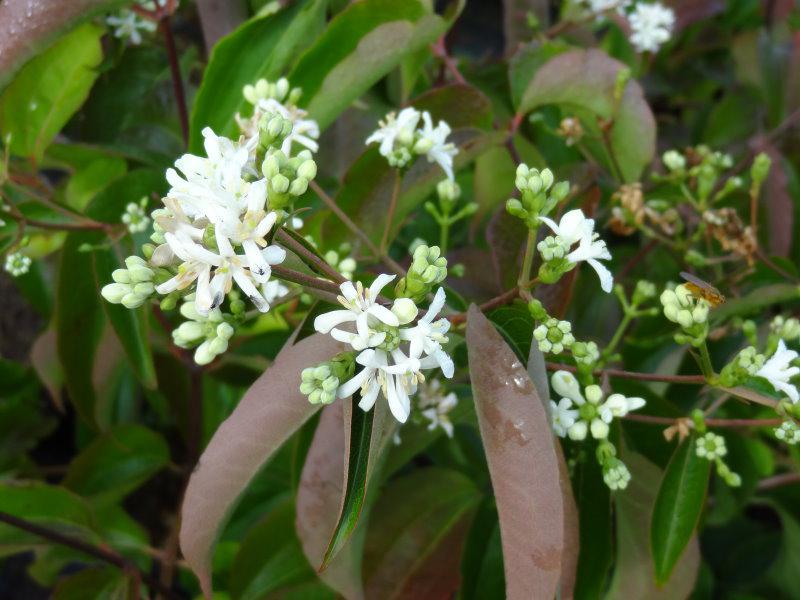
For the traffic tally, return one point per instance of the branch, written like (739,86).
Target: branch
(690,379)
(177,81)
(307,256)
(710,422)
(108,556)
(504,298)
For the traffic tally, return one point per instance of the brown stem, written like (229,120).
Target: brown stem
(309,281)
(778,480)
(104,555)
(710,422)
(504,298)
(177,81)
(689,379)
(439,50)
(307,256)
(331,204)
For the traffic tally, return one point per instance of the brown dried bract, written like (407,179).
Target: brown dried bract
(727,228)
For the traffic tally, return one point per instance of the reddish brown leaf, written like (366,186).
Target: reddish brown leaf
(270,412)
(523,463)
(29,26)
(778,203)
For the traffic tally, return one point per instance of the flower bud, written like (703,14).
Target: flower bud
(405,310)
(121,276)
(760,168)
(114,292)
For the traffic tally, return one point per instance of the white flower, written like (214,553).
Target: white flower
(574,228)
(617,405)
(396,381)
(395,130)
(600,6)
(651,26)
(127,25)
(616,475)
(428,336)
(778,372)
(562,416)
(135,216)
(433,143)
(17,264)
(436,406)
(273,289)
(360,305)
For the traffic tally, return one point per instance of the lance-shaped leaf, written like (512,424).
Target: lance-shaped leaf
(332,497)
(590,80)
(677,509)
(360,45)
(262,47)
(633,571)
(268,414)
(523,464)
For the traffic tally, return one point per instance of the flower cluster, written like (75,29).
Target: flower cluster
(209,332)
(17,264)
(393,345)
(436,406)
(651,26)
(400,139)
(576,414)
(778,371)
(135,217)
(132,286)
(574,241)
(788,432)
(277,99)
(554,335)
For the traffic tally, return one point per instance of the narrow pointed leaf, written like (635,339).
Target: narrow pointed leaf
(523,464)
(678,505)
(355,490)
(268,414)
(633,571)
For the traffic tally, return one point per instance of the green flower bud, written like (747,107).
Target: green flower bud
(115,292)
(760,168)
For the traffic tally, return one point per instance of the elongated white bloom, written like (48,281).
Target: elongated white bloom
(434,145)
(651,26)
(395,130)
(563,416)
(778,372)
(574,228)
(428,336)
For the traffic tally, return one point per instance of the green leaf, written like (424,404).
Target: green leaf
(262,47)
(482,558)
(594,522)
(109,583)
(633,572)
(43,504)
(680,501)
(417,531)
(355,490)
(117,462)
(523,463)
(587,80)
(516,325)
(49,90)
(268,414)
(360,45)
(270,557)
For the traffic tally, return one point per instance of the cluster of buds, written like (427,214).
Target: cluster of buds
(712,447)
(273,129)
(691,313)
(538,194)
(17,264)
(132,286)
(784,328)
(746,364)
(586,355)
(554,335)
(287,178)
(341,260)
(428,268)
(615,473)
(700,169)
(135,216)
(209,333)
(321,382)
(266,90)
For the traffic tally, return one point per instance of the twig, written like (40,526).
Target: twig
(778,481)
(331,204)
(104,555)
(309,281)
(177,81)
(710,422)
(308,256)
(439,50)
(689,379)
